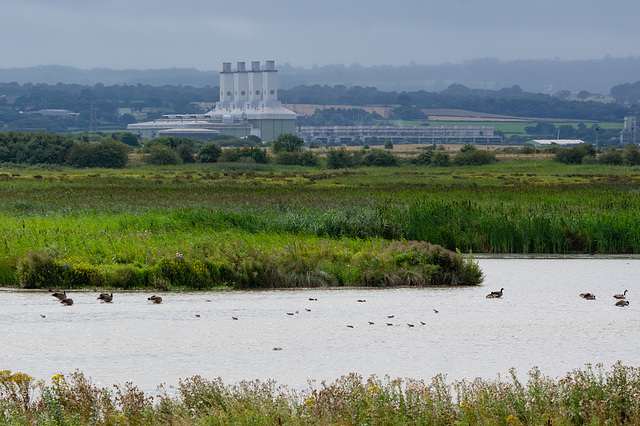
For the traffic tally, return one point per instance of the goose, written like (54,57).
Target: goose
(106,298)
(234,318)
(621,296)
(371,323)
(59,295)
(350,326)
(390,316)
(361,300)
(588,296)
(66,301)
(495,294)
(622,303)
(155,299)
(410,325)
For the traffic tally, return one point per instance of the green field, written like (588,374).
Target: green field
(196,226)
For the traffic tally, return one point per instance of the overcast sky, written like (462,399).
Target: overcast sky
(145,34)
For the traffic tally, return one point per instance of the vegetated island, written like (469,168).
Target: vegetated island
(584,396)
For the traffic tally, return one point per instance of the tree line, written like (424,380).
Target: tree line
(100,103)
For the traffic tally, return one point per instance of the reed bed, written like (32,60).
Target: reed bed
(591,395)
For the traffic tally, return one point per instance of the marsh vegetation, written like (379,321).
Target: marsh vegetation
(591,395)
(201,226)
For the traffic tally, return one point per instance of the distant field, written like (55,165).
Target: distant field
(509,128)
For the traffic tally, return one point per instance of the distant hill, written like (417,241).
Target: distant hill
(537,76)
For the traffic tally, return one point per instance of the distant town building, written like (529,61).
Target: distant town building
(248,106)
(58,113)
(629,130)
(411,134)
(561,142)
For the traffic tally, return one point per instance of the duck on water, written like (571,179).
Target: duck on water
(495,294)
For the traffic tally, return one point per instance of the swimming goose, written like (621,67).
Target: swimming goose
(621,296)
(66,301)
(495,294)
(155,299)
(588,296)
(59,295)
(106,298)
(622,303)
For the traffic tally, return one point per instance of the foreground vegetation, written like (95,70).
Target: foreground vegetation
(584,396)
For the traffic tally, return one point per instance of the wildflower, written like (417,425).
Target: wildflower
(179,256)
(310,402)
(511,418)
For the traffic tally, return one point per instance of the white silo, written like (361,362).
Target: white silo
(270,84)
(255,84)
(226,85)
(241,82)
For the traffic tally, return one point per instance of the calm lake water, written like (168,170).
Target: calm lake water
(540,321)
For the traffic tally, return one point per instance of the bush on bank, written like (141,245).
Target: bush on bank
(242,266)
(584,396)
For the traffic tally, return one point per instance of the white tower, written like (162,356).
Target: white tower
(226,85)
(270,84)
(241,82)
(255,84)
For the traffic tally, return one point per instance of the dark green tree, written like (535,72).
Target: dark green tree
(381,158)
(209,153)
(469,155)
(160,155)
(287,142)
(109,153)
(631,155)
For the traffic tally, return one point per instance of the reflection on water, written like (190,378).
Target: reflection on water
(540,321)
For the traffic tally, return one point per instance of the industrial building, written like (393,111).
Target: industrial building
(411,134)
(628,134)
(248,106)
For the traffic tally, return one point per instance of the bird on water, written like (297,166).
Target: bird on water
(66,301)
(621,296)
(495,294)
(622,303)
(59,295)
(106,297)
(155,299)
(588,296)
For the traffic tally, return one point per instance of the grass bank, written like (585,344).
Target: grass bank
(591,395)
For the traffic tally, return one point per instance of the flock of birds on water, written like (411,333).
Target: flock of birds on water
(104,297)
(108,298)
(620,298)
